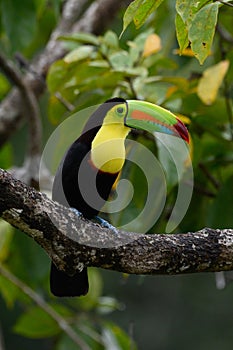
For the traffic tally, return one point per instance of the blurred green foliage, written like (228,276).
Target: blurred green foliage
(95,69)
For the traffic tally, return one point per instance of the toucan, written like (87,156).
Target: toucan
(91,165)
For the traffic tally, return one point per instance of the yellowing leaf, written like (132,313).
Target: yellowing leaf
(152,45)
(188,160)
(211,81)
(171,90)
(202,29)
(185,52)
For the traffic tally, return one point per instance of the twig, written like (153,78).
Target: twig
(209,176)
(226,3)
(69,106)
(203,191)
(61,322)
(131,86)
(229,107)
(225,35)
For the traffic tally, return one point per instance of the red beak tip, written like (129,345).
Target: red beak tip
(182,130)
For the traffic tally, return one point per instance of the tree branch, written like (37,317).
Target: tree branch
(72,242)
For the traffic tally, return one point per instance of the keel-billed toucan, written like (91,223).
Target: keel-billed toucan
(91,165)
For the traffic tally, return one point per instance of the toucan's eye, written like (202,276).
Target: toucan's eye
(120,110)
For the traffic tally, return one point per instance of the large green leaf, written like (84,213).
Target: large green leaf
(120,60)
(9,292)
(28,261)
(110,39)
(36,323)
(199,20)
(19,21)
(188,9)
(181,33)
(202,29)
(138,11)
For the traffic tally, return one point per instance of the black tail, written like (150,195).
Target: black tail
(62,285)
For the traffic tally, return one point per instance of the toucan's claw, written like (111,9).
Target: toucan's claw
(105,224)
(77,212)
(98,219)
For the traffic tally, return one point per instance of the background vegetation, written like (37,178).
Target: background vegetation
(175,54)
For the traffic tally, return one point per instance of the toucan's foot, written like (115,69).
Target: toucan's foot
(98,219)
(78,213)
(105,223)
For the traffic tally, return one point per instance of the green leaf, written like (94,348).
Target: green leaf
(110,39)
(145,11)
(99,64)
(4,86)
(56,6)
(82,38)
(91,300)
(36,323)
(200,22)
(58,74)
(181,33)
(130,13)
(56,110)
(115,338)
(6,156)
(87,333)
(35,258)
(107,305)
(19,21)
(9,291)
(138,11)
(119,60)
(202,29)
(81,53)
(135,72)
(65,343)
(188,9)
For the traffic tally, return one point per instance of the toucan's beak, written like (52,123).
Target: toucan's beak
(150,117)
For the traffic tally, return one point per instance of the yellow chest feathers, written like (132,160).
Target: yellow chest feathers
(108,148)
